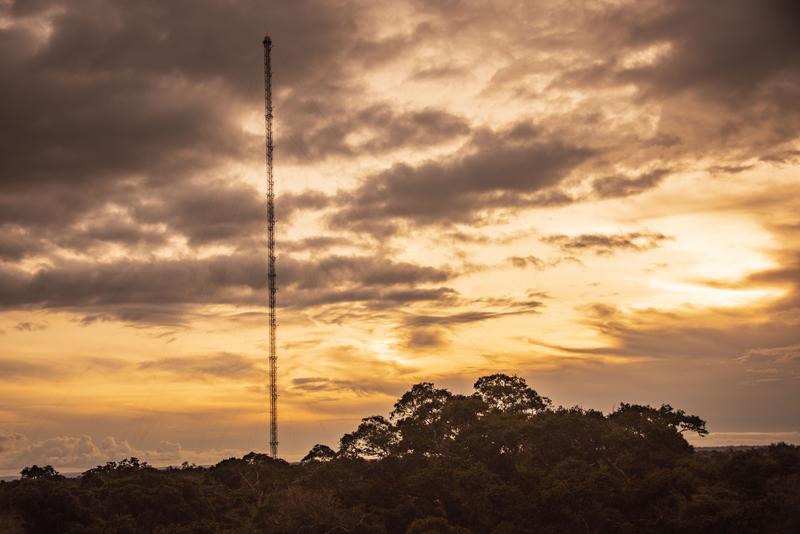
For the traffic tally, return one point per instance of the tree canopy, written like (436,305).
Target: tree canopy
(500,460)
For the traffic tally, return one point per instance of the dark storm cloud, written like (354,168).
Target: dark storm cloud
(124,282)
(127,103)
(782,157)
(721,76)
(317,243)
(86,133)
(102,231)
(332,271)
(729,169)
(120,119)
(496,169)
(162,290)
(287,204)
(203,212)
(16,243)
(421,339)
(206,212)
(727,75)
(370,299)
(420,332)
(623,186)
(206,40)
(468,317)
(380,128)
(221,211)
(728,49)
(604,244)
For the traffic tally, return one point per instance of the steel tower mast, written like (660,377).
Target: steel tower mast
(273,289)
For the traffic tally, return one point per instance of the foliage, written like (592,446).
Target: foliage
(35,472)
(501,460)
(319,453)
(509,394)
(375,437)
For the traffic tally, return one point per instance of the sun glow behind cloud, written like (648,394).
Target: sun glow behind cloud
(683,293)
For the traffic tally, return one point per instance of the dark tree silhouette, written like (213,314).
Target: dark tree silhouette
(501,460)
(319,453)
(509,394)
(35,472)
(375,437)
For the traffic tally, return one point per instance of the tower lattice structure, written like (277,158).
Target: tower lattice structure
(271,275)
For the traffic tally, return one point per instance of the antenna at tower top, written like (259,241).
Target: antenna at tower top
(271,276)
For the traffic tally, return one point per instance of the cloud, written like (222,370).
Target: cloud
(224,366)
(521,262)
(318,384)
(439,72)
(754,45)
(58,451)
(764,333)
(605,244)
(782,157)
(11,441)
(786,354)
(206,212)
(317,243)
(426,339)
(726,90)
(17,243)
(223,212)
(103,115)
(513,167)
(83,452)
(19,369)
(623,186)
(27,326)
(377,128)
(490,309)
(29,369)
(366,270)
(162,291)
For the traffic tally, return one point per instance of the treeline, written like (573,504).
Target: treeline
(501,460)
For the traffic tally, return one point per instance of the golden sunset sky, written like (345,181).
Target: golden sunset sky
(602,197)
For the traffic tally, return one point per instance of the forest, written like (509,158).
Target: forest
(503,459)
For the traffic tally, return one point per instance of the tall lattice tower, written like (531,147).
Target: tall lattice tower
(272,277)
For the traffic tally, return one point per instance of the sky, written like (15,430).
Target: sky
(601,197)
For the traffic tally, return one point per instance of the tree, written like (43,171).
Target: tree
(509,394)
(422,403)
(319,453)
(637,416)
(451,464)
(682,421)
(418,415)
(375,437)
(35,472)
